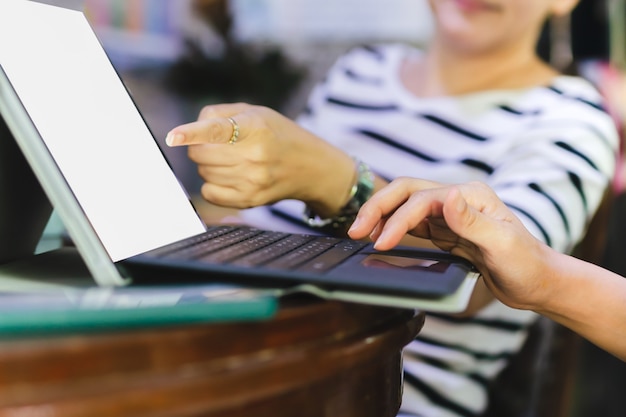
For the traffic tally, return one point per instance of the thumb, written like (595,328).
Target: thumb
(466,221)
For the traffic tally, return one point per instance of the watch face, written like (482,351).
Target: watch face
(364,187)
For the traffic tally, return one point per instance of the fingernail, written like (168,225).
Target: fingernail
(355,224)
(174,139)
(460,203)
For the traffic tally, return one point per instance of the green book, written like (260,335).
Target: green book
(98,308)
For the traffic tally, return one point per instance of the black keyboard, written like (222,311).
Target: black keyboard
(248,246)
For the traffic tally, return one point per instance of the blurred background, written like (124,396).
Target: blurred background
(177,55)
(180,55)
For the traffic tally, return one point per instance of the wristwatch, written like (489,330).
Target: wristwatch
(360,192)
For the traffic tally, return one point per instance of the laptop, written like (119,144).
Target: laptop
(130,218)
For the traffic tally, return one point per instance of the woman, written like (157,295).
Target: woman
(478,104)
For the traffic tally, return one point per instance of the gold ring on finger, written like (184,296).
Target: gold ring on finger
(235,135)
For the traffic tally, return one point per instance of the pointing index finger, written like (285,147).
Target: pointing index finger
(214,130)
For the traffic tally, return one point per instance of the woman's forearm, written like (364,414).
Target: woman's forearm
(589,300)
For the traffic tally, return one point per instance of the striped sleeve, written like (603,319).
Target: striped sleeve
(555,178)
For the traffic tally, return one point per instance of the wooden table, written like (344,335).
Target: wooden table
(315,358)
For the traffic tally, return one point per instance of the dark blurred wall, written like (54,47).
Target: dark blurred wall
(590,30)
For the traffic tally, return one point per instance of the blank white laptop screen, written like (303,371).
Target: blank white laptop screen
(93,129)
